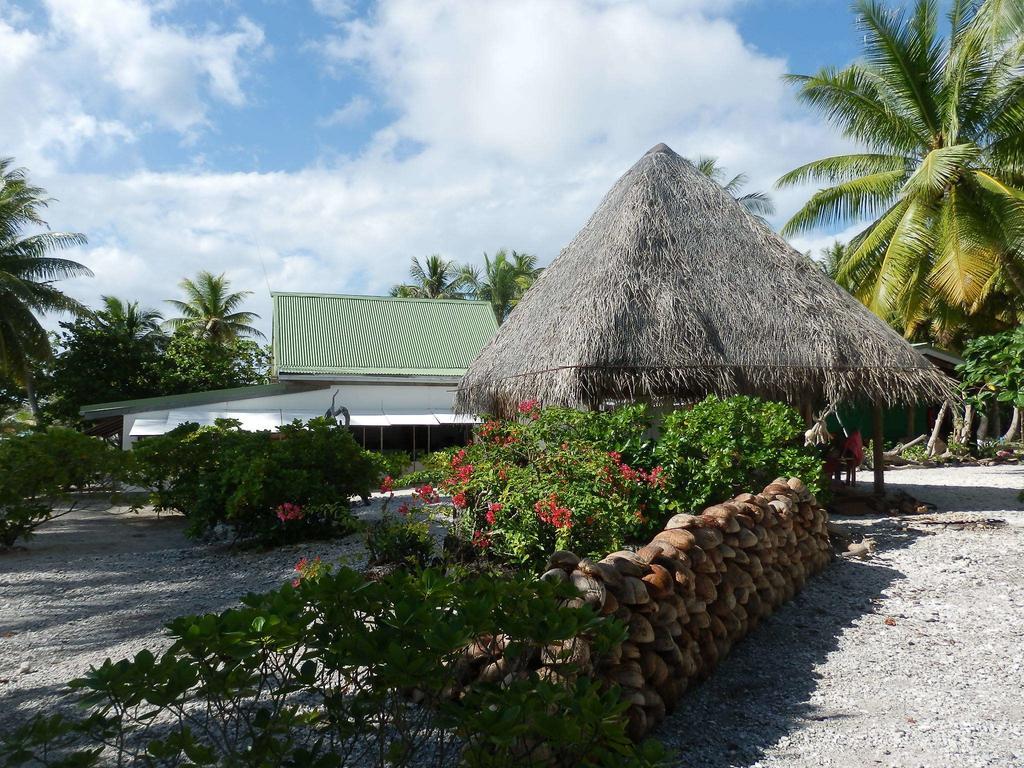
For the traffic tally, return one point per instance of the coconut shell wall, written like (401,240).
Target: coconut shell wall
(688,596)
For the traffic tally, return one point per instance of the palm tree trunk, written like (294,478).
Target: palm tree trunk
(983,425)
(30,395)
(937,428)
(1015,276)
(1011,433)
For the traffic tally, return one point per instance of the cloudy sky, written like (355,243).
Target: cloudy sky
(318,145)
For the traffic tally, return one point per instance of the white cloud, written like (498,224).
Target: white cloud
(513,119)
(335,9)
(355,110)
(103,72)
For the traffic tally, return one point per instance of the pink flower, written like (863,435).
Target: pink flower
(288,511)
(387,485)
(530,408)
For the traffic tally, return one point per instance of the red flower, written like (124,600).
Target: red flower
(549,512)
(481,540)
(427,494)
(464,473)
(459,500)
(387,485)
(288,511)
(492,510)
(301,565)
(403,509)
(615,456)
(459,457)
(656,478)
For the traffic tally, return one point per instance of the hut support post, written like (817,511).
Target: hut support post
(877,448)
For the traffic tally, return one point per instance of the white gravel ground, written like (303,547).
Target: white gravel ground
(913,658)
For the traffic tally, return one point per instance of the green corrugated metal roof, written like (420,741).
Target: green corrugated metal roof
(377,335)
(165,402)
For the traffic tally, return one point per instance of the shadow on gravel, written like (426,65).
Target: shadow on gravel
(761,691)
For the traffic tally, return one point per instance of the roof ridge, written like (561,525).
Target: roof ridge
(371,297)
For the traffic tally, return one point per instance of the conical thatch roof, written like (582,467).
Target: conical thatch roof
(672,290)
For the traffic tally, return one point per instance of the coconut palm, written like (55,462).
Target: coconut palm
(503,280)
(211,310)
(128,319)
(436,278)
(941,177)
(27,274)
(757,203)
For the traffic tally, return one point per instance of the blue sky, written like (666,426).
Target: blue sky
(320,144)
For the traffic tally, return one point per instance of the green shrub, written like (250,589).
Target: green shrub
(721,447)
(435,467)
(40,471)
(399,540)
(338,671)
(394,463)
(254,481)
(555,479)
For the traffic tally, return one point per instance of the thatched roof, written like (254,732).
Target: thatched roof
(673,291)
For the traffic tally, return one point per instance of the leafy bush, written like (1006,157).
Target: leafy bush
(223,475)
(394,463)
(338,671)
(40,470)
(435,467)
(399,540)
(555,479)
(721,447)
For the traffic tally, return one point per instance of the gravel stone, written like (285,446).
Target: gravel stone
(913,657)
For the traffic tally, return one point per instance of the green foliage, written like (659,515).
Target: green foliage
(993,368)
(555,479)
(939,118)
(399,541)
(721,447)
(100,360)
(211,310)
(39,472)
(28,271)
(394,463)
(221,474)
(196,364)
(323,672)
(435,468)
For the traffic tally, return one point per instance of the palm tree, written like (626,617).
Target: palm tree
(438,278)
(942,175)
(27,274)
(757,203)
(503,280)
(832,258)
(211,310)
(128,319)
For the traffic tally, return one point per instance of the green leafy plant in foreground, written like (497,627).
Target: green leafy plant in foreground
(339,671)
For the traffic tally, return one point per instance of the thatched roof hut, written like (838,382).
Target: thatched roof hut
(672,291)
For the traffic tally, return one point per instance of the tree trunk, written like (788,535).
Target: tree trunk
(1011,433)
(1015,276)
(911,421)
(30,395)
(937,428)
(967,424)
(877,448)
(983,425)
(997,418)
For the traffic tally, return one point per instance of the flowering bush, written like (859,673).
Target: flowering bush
(270,489)
(555,479)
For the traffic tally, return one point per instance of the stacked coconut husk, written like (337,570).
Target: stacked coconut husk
(688,596)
